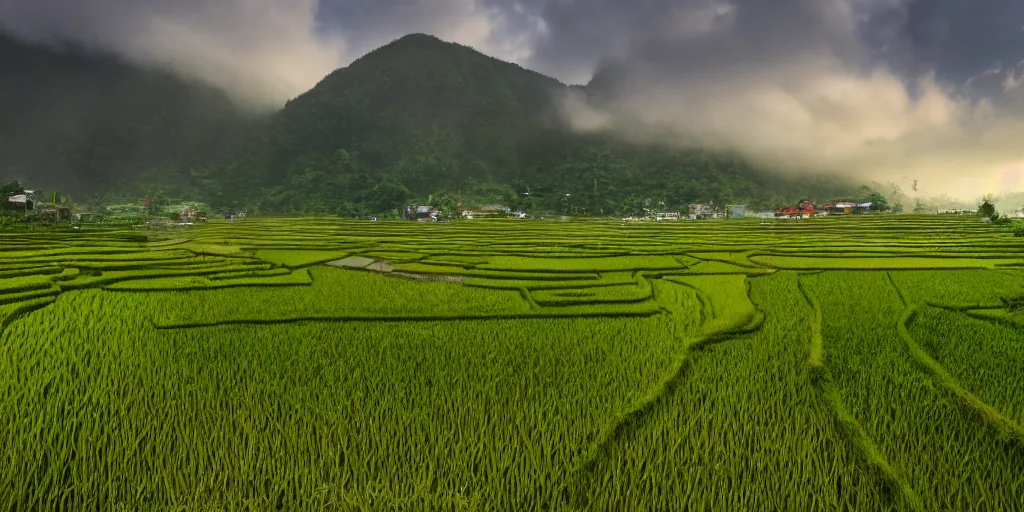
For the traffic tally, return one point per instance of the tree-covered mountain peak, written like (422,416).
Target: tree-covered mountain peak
(417,118)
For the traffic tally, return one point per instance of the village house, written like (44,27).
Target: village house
(488,211)
(845,208)
(420,213)
(701,211)
(804,210)
(55,213)
(736,211)
(19,202)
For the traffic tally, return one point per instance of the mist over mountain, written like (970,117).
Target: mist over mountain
(879,90)
(874,90)
(422,117)
(82,121)
(415,118)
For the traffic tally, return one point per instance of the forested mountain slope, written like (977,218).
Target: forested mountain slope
(420,116)
(90,123)
(416,118)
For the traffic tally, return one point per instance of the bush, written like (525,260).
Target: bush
(987,207)
(1017,229)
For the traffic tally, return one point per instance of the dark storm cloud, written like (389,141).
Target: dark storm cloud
(961,39)
(955,38)
(687,34)
(262,51)
(868,87)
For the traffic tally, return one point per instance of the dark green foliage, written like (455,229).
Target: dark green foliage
(878,202)
(987,208)
(1014,304)
(91,123)
(440,118)
(12,188)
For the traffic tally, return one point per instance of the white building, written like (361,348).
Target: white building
(736,211)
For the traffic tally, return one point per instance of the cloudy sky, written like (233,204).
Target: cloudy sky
(899,90)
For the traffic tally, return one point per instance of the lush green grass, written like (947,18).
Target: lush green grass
(742,428)
(577,264)
(941,449)
(986,357)
(298,258)
(831,364)
(971,288)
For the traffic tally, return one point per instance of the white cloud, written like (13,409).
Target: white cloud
(812,107)
(263,52)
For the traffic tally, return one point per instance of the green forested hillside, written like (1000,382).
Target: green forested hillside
(89,123)
(421,117)
(415,119)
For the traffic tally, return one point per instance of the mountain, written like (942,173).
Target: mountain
(422,117)
(413,120)
(424,114)
(87,123)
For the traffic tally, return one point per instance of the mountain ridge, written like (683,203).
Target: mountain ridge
(416,118)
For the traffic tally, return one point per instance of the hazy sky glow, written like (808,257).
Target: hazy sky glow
(931,90)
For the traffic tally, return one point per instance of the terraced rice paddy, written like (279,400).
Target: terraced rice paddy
(296,364)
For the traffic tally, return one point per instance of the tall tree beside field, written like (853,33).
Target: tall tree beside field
(987,208)
(878,202)
(11,188)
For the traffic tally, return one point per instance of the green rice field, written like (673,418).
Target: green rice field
(860,364)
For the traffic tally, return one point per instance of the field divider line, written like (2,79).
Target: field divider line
(1004,321)
(200,288)
(896,287)
(962,308)
(528,298)
(968,310)
(640,409)
(25,308)
(815,358)
(867,447)
(745,261)
(862,441)
(707,312)
(412,318)
(1005,426)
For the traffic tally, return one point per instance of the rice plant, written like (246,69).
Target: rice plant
(840,364)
